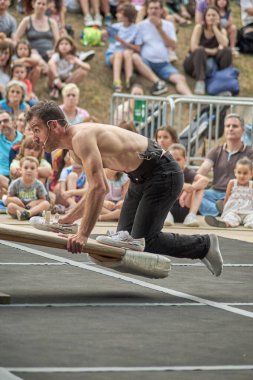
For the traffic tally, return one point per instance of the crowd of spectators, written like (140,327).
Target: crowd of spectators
(141,37)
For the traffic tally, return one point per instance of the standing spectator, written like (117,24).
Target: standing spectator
(165,136)
(65,67)
(73,113)
(8,137)
(207,41)
(41,31)
(238,202)
(8,23)
(155,37)
(27,195)
(5,64)
(186,207)
(222,159)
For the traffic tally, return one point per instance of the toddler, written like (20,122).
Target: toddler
(27,195)
(238,202)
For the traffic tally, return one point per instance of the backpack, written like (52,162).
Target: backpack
(223,80)
(245,39)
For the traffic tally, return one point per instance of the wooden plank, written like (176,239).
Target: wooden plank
(5,299)
(24,234)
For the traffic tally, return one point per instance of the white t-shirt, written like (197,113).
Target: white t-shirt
(153,47)
(246,18)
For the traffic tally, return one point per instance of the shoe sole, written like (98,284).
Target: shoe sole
(39,223)
(218,268)
(119,244)
(193,224)
(160,92)
(139,263)
(89,57)
(213,222)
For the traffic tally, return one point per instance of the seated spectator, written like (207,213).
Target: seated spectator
(201,7)
(73,113)
(41,31)
(207,41)
(27,195)
(177,9)
(155,37)
(227,23)
(238,202)
(8,137)
(76,6)
(222,159)
(186,207)
(32,60)
(165,136)
(71,185)
(57,10)
(245,34)
(20,72)
(121,55)
(65,67)
(14,102)
(118,184)
(125,111)
(7,22)
(30,148)
(20,122)
(5,64)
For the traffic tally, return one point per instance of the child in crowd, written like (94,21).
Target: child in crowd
(227,23)
(120,52)
(6,51)
(65,67)
(118,184)
(35,64)
(27,195)
(238,202)
(71,184)
(186,207)
(20,72)
(30,148)
(56,10)
(165,136)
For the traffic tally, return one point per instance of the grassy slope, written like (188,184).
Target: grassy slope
(96,90)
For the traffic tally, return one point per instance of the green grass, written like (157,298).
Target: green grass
(96,89)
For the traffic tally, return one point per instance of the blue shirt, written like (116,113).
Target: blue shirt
(5,147)
(5,107)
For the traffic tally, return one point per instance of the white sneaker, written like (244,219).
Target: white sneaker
(191,220)
(98,20)
(40,223)
(88,20)
(169,221)
(86,55)
(122,239)
(213,260)
(248,225)
(199,88)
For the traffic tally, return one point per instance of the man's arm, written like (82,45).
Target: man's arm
(159,26)
(97,189)
(205,167)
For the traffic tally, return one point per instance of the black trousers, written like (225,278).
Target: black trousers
(153,189)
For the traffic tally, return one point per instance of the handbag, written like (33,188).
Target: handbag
(223,80)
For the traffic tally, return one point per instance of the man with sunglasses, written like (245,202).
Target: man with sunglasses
(155,183)
(8,137)
(222,159)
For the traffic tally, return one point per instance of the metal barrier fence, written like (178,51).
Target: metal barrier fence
(199,120)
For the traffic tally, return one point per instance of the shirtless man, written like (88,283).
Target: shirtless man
(155,183)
